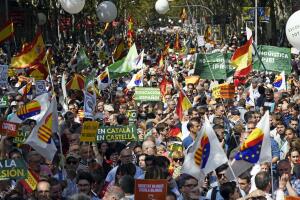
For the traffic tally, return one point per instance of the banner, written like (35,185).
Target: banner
(275,59)
(147,94)
(150,189)
(40,87)
(132,116)
(3,75)
(89,131)
(213,66)
(12,169)
(23,133)
(263,14)
(4,102)
(225,91)
(9,129)
(117,133)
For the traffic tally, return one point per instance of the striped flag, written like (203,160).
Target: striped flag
(119,51)
(6,31)
(103,80)
(30,182)
(177,45)
(41,138)
(137,80)
(26,89)
(31,54)
(205,155)
(279,82)
(242,59)
(130,32)
(76,83)
(183,104)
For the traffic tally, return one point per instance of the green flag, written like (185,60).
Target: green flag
(124,65)
(82,60)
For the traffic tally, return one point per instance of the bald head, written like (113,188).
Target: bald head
(126,156)
(114,193)
(149,147)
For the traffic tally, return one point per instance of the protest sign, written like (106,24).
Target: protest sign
(275,59)
(23,133)
(4,101)
(9,128)
(147,94)
(40,87)
(12,169)
(3,75)
(213,66)
(89,105)
(89,131)
(132,116)
(150,189)
(117,133)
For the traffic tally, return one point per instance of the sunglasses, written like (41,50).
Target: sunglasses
(74,162)
(178,159)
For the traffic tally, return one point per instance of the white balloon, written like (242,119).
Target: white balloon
(162,6)
(72,6)
(106,11)
(41,18)
(292,29)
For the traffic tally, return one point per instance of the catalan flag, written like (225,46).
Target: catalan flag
(183,104)
(120,50)
(34,109)
(242,59)
(30,182)
(76,83)
(31,54)
(255,149)
(205,155)
(279,82)
(41,138)
(6,31)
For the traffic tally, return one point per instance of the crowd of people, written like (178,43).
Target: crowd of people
(108,170)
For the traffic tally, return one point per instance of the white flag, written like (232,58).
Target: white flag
(137,80)
(34,109)
(103,80)
(255,149)
(279,82)
(138,64)
(205,155)
(250,97)
(41,138)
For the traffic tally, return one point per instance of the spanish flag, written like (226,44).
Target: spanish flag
(31,54)
(130,32)
(183,104)
(30,182)
(76,83)
(6,31)
(38,72)
(242,60)
(177,45)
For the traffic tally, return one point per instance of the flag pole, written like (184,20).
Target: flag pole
(272,180)
(231,170)
(50,73)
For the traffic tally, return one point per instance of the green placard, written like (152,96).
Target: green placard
(147,94)
(117,133)
(132,116)
(213,66)
(4,102)
(23,133)
(275,59)
(13,169)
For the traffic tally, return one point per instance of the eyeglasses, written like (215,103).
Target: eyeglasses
(221,175)
(178,159)
(191,185)
(159,114)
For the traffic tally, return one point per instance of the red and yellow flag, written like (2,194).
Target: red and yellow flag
(177,45)
(242,60)
(119,51)
(30,182)
(130,32)
(76,83)
(183,105)
(183,15)
(31,54)
(6,31)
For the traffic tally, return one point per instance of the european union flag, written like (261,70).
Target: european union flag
(250,154)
